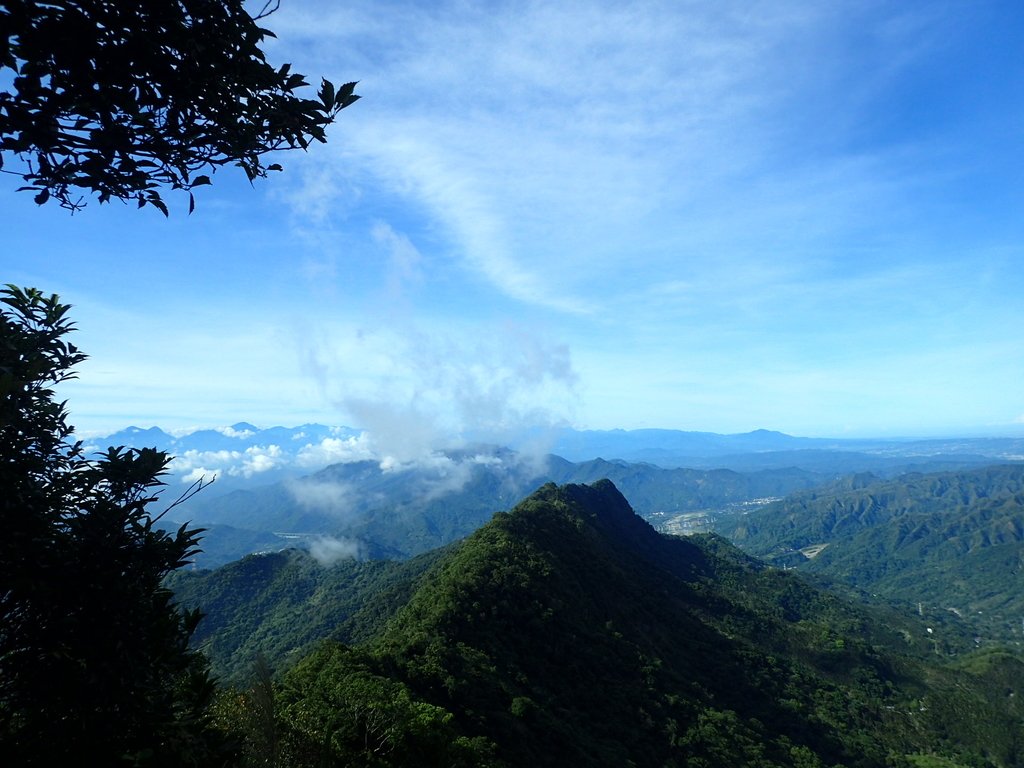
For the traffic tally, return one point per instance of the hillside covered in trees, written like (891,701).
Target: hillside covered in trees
(569,632)
(951,541)
(445,272)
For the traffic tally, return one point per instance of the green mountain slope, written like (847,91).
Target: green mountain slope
(277,605)
(568,632)
(952,540)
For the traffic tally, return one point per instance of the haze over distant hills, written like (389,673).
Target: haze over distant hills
(284,486)
(242,454)
(374,510)
(453,604)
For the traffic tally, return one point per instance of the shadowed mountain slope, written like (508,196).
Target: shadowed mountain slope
(569,632)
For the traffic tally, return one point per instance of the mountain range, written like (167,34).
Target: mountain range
(952,541)
(243,455)
(401,511)
(280,486)
(569,632)
(439,628)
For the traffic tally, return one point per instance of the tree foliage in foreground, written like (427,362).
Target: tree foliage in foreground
(95,664)
(120,99)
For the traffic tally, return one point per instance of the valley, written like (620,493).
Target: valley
(489,652)
(511,385)
(895,594)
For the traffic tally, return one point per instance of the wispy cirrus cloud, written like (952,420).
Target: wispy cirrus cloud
(543,138)
(718,212)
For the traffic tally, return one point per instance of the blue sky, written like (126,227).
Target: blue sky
(721,216)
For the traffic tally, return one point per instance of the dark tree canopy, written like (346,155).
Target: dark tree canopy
(95,664)
(123,98)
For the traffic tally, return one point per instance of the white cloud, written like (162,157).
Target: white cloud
(187,461)
(242,434)
(199,473)
(405,261)
(260,458)
(253,460)
(579,121)
(438,475)
(417,391)
(448,480)
(699,199)
(328,550)
(335,450)
(602,149)
(321,495)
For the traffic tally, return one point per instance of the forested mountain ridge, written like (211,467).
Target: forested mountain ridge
(569,632)
(277,605)
(950,539)
(862,501)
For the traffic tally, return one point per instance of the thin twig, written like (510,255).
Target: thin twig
(264,12)
(191,491)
